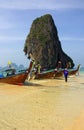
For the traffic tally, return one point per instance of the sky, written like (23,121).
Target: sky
(16,17)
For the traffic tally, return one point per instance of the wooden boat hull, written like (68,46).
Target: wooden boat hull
(45,75)
(18,78)
(74,72)
(58,74)
(71,73)
(14,79)
(49,75)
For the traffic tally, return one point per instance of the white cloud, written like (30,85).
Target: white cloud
(44,4)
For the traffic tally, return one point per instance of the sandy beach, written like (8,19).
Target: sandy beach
(49,104)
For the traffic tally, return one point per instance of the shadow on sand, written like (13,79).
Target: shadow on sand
(32,84)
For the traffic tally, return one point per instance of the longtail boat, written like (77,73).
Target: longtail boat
(74,71)
(52,74)
(8,76)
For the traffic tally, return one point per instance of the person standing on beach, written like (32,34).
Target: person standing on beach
(65,74)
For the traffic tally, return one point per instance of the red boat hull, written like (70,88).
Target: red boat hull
(46,75)
(14,79)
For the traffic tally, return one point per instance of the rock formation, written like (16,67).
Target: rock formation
(44,44)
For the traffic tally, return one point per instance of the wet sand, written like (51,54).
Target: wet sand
(43,105)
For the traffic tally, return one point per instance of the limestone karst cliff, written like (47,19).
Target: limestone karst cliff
(44,44)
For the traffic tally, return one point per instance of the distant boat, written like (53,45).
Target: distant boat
(9,76)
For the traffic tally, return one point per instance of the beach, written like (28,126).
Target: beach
(50,104)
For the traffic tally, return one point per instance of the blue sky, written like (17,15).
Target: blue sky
(16,17)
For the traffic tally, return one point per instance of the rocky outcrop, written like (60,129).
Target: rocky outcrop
(44,44)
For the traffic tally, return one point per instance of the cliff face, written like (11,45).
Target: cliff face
(44,44)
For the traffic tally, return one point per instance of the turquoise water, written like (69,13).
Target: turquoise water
(82,69)
(81,72)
